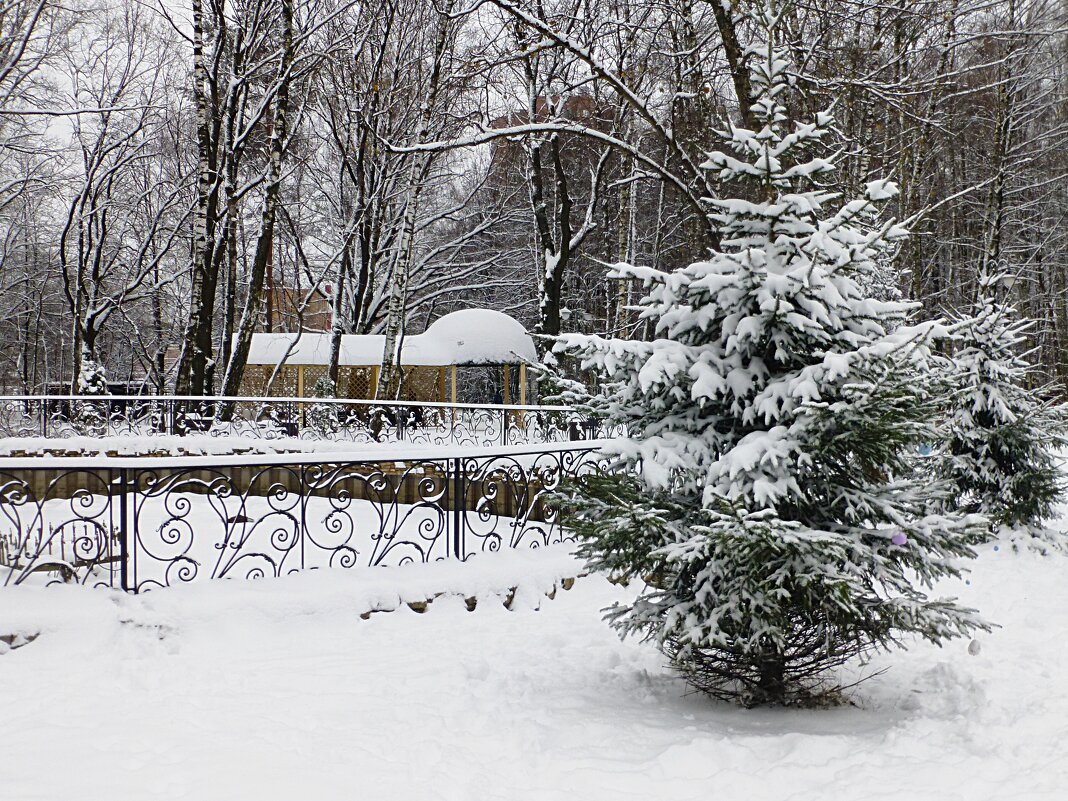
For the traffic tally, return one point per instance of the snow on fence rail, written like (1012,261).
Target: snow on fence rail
(61,416)
(139,523)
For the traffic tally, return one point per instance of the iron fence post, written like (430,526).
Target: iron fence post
(304,492)
(124,529)
(459,508)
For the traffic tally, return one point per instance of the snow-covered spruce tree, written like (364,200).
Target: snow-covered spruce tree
(998,434)
(92,380)
(323,417)
(766,493)
(90,417)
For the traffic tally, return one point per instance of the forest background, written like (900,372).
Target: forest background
(177,175)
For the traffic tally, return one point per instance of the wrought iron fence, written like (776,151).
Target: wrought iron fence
(61,416)
(153,522)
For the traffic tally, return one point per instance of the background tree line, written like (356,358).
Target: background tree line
(177,175)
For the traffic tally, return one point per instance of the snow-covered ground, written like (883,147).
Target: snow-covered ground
(279,689)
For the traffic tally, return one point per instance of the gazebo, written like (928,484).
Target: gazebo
(431,361)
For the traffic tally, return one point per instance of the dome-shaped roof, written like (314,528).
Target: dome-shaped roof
(469,336)
(482,336)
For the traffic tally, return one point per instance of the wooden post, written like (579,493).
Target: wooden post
(507,394)
(522,393)
(300,380)
(373,389)
(453,394)
(441,393)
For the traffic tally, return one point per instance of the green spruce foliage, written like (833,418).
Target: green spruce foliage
(767,494)
(323,417)
(999,434)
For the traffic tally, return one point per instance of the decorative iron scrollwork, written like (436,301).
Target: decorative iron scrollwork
(177,520)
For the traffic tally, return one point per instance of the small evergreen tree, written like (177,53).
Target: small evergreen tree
(323,417)
(998,434)
(767,492)
(90,417)
(92,380)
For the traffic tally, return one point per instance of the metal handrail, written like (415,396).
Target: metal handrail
(52,416)
(511,407)
(294,459)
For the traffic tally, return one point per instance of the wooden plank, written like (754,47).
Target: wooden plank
(522,394)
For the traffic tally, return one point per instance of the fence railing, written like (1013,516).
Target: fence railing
(62,416)
(139,523)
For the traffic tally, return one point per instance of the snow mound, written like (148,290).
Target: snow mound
(482,336)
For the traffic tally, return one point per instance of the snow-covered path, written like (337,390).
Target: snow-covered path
(278,689)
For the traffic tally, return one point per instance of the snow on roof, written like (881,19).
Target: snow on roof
(482,336)
(469,336)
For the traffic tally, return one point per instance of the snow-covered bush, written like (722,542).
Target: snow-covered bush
(998,434)
(92,380)
(90,417)
(767,493)
(323,417)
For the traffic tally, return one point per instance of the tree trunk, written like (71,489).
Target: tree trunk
(337,324)
(196,341)
(389,378)
(736,61)
(771,683)
(265,239)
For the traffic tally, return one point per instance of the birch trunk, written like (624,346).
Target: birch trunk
(196,347)
(390,375)
(265,239)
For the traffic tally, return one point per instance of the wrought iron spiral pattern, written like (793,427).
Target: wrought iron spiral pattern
(140,528)
(59,526)
(509,494)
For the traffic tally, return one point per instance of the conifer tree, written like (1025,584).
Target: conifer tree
(998,434)
(92,380)
(90,417)
(767,493)
(323,417)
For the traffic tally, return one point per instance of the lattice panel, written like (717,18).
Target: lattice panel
(285,386)
(423,384)
(254,380)
(355,382)
(475,385)
(312,374)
